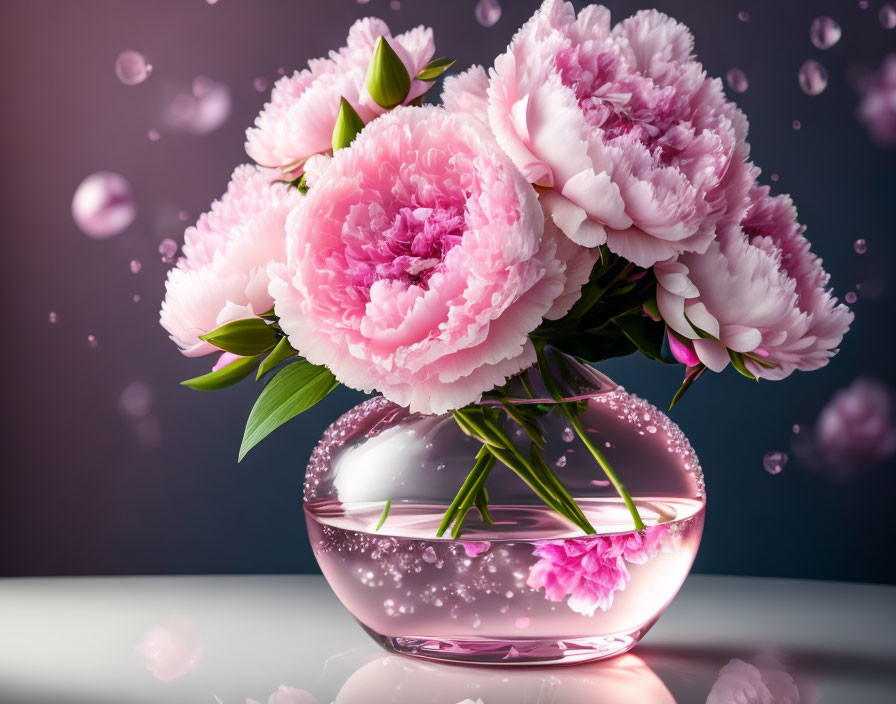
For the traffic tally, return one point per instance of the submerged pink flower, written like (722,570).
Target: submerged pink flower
(299,120)
(587,572)
(877,110)
(757,291)
(634,145)
(418,263)
(223,274)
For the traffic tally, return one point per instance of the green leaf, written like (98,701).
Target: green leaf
(701,333)
(384,514)
(645,334)
(524,415)
(737,361)
(692,375)
(225,376)
(281,352)
(246,337)
(434,69)
(388,81)
(295,389)
(348,126)
(651,306)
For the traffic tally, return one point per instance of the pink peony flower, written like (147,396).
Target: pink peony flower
(877,110)
(740,682)
(476,547)
(223,273)
(856,429)
(634,145)
(419,263)
(299,120)
(171,650)
(759,291)
(588,572)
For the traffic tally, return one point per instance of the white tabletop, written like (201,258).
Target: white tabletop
(202,639)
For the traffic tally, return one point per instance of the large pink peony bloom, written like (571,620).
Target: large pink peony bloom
(223,273)
(588,572)
(758,291)
(418,263)
(299,120)
(635,145)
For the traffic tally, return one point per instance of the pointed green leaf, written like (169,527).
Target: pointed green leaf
(434,69)
(295,389)
(225,376)
(651,306)
(646,334)
(281,352)
(388,81)
(737,361)
(246,337)
(348,125)
(692,375)
(384,514)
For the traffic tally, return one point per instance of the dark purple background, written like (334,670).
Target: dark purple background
(79,494)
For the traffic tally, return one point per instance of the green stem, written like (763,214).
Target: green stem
(483,458)
(384,514)
(465,505)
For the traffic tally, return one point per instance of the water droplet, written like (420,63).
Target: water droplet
(92,342)
(824,32)
(567,435)
(850,297)
(135,401)
(860,246)
(52,317)
(651,429)
(132,68)
(743,16)
(774,461)
(813,77)
(887,15)
(797,124)
(488,12)
(136,298)
(737,80)
(561,461)
(429,555)
(153,134)
(168,250)
(260,84)
(135,266)
(183,216)
(477,622)
(775,177)
(212,2)
(103,205)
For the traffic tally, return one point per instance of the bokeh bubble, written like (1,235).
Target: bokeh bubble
(103,205)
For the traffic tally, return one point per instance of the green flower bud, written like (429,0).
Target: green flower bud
(348,125)
(388,81)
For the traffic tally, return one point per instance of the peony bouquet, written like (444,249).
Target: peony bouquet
(592,191)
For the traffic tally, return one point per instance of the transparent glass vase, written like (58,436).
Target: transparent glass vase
(527,586)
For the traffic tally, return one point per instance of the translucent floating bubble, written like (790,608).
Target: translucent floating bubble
(52,317)
(824,32)
(260,84)
(887,15)
(202,110)
(136,298)
(743,16)
(395,4)
(211,2)
(153,134)
(561,461)
(168,250)
(429,555)
(135,401)
(850,297)
(487,12)
(363,2)
(813,77)
(795,429)
(775,177)
(863,4)
(860,246)
(135,266)
(774,461)
(132,68)
(103,205)
(737,80)
(92,342)
(797,124)
(568,435)
(183,215)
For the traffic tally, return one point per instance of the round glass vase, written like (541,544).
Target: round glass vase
(519,584)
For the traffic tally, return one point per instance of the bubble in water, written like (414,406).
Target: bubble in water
(168,250)
(52,317)
(488,12)
(737,80)
(132,68)
(851,297)
(153,134)
(860,246)
(561,461)
(797,124)
(813,77)
(260,84)
(103,205)
(135,401)
(743,16)
(429,555)
(568,435)
(92,341)
(202,110)
(135,266)
(887,15)
(824,32)
(774,461)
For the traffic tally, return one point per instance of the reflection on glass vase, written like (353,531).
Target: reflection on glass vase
(519,583)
